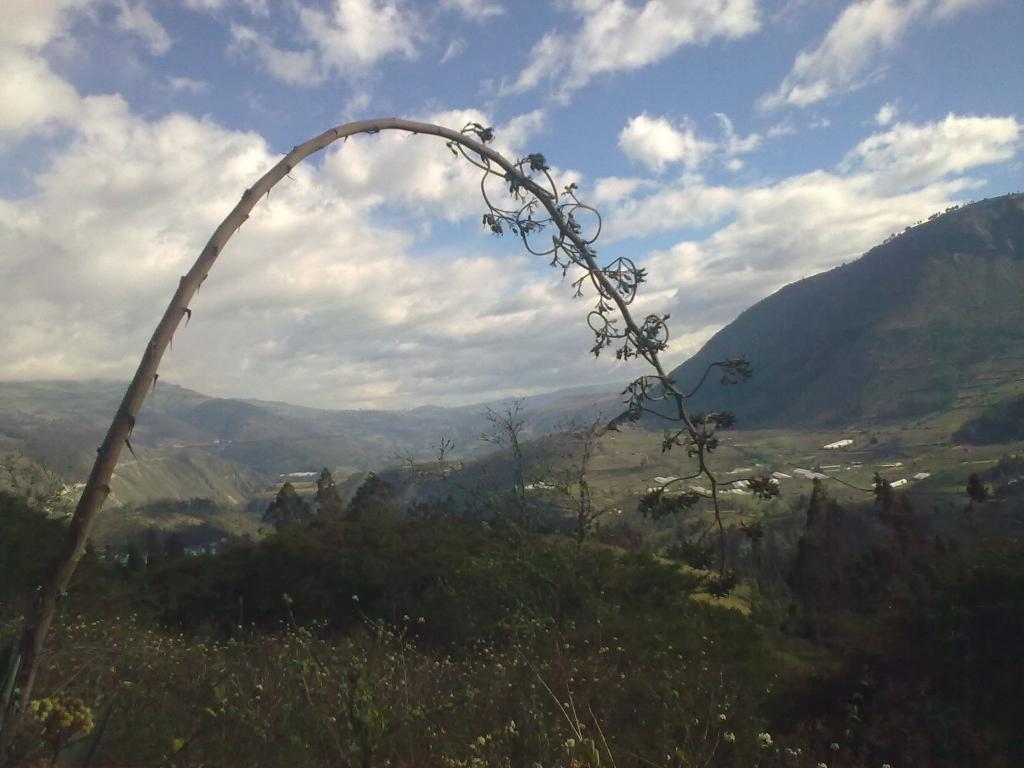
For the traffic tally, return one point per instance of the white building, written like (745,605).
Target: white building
(838,444)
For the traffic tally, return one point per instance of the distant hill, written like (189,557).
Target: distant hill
(930,321)
(190,445)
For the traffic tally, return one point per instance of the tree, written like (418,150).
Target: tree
(287,508)
(976,492)
(328,498)
(575,478)
(374,499)
(885,496)
(814,576)
(506,429)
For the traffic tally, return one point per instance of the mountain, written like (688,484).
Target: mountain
(929,321)
(190,445)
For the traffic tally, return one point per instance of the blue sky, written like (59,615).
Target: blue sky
(732,146)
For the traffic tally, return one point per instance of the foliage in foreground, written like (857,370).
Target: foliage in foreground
(436,642)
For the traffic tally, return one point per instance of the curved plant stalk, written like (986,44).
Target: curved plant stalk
(97,487)
(541,205)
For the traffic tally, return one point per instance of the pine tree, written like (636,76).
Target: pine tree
(814,576)
(328,499)
(287,508)
(374,499)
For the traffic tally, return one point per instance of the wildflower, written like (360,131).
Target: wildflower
(722,717)
(481,741)
(570,743)
(355,598)
(730,737)
(822,765)
(764,739)
(421,620)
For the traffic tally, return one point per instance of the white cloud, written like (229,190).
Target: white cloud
(475,9)
(346,39)
(656,143)
(188,85)
(137,20)
(422,176)
(945,8)
(732,143)
(34,23)
(886,114)
(617,36)
(312,300)
(912,155)
(782,233)
(33,97)
(358,33)
(292,67)
(853,50)
(454,50)
(683,203)
(786,230)
(849,54)
(255,7)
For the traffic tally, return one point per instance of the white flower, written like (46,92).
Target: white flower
(729,736)
(764,739)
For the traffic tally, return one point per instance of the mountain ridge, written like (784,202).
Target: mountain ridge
(923,322)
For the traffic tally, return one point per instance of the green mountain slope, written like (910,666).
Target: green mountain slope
(929,321)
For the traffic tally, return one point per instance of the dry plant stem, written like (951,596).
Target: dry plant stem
(97,487)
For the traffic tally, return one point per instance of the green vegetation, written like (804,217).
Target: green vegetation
(376,637)
(1000,423)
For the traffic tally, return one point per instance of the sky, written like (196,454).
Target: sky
(731,146)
